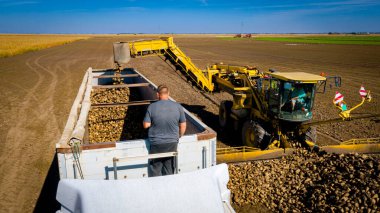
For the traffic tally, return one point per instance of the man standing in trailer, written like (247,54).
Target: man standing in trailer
(167,123)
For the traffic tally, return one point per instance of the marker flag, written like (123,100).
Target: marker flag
(363,92)
(338,98)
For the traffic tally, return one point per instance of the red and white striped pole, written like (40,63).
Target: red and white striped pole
(362,92)
(338,98)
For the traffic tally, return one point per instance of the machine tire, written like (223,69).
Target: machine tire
(252,134)
(224,113)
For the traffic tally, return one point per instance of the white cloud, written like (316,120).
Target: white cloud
(204,2)
(17,3)
(312,8)
(351,2)
(133,9)
(317,5)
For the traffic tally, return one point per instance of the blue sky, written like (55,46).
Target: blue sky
(189,16)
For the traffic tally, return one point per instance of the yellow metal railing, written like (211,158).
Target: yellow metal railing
(361,141)
(245,153)
(239,149)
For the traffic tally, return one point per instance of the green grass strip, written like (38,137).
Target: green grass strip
(358,40)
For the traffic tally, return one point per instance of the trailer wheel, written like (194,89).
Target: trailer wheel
(224,113)
(252,134)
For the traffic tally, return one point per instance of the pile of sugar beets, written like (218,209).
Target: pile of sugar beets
(110,124)
(308,182)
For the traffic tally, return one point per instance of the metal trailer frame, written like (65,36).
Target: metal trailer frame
(125,159)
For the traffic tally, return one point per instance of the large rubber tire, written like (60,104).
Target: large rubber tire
(224,113)
(252,134)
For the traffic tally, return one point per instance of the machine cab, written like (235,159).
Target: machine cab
(290,96)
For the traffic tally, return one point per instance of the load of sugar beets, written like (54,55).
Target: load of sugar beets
(302,182)
(307,182)
(110,124)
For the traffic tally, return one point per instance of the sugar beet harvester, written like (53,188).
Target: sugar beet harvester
(270,110)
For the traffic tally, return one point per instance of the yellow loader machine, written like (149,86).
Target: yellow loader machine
(271,110)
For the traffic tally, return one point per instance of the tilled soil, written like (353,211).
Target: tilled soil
(37,90)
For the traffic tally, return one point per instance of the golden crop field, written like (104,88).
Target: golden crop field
(14,44)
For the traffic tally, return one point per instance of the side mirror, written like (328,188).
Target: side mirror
(330,80)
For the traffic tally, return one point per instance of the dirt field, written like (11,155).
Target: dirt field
(38,88)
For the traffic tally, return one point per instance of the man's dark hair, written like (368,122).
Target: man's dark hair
(162,89)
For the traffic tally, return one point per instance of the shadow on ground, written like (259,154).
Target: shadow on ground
(46,201)
(226,136)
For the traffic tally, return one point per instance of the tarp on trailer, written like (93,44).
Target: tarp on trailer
(200,191)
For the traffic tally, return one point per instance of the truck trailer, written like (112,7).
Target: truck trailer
(90,171)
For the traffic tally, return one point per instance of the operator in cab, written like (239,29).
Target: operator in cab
(297,98)
(166,123)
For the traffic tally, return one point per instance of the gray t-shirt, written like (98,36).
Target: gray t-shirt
(164,116)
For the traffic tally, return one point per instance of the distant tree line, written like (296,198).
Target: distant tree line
(353,33)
